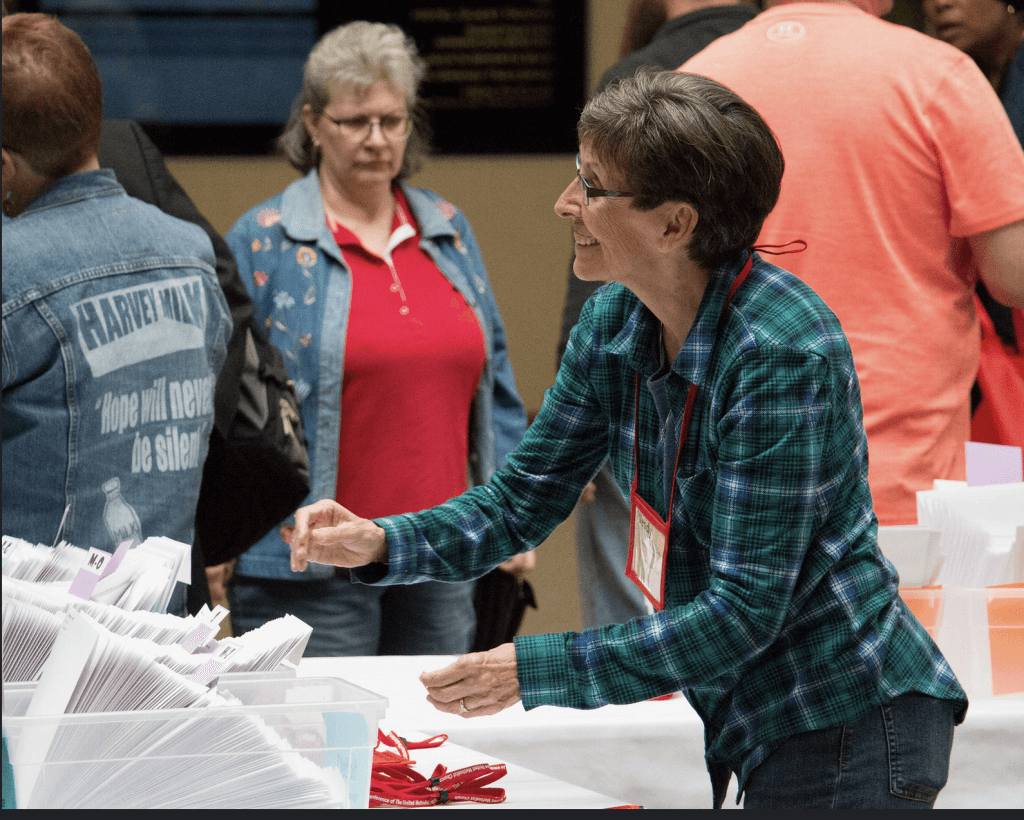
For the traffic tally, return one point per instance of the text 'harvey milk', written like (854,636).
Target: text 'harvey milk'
(130,325)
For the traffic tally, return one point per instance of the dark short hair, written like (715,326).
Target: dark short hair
(686,138)
(351,58)
(52,95)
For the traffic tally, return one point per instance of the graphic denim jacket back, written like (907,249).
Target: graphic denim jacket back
(114,331)
(301,290)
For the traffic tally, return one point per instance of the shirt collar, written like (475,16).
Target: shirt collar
(303,218)
(403,226)
(75,187)
(641,334)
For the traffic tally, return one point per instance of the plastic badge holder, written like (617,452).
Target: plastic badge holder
(330,723)
(980,631)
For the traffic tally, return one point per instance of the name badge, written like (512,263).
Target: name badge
(648,551)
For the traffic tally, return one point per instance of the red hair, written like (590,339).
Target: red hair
(52,95)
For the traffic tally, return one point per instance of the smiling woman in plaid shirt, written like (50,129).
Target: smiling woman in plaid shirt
(723,391)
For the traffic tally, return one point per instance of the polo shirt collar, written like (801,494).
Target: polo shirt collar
(304,220)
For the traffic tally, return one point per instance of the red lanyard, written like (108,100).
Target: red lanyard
(394,782)
(691,400)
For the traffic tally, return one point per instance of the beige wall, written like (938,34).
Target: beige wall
(509,202)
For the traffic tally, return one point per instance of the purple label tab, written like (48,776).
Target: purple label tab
(993,464)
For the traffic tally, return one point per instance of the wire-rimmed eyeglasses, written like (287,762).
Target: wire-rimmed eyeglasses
(392,126)
(590,191)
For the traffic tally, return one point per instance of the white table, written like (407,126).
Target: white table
(651,753)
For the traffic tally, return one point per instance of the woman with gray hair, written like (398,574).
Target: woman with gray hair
(723,392)
(376,293)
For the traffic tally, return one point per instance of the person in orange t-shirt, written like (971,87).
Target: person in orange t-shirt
(895,146)
(991,32)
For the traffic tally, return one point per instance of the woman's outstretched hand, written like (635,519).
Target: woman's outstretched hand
(327,533)
(482,683)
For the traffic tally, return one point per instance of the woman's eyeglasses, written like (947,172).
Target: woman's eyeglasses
(590,191)
(357,129)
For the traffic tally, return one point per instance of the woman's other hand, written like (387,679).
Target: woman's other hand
(327,533)
(481,683)
(217,578)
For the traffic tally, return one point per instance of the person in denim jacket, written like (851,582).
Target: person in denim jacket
(114,324)
(376,293)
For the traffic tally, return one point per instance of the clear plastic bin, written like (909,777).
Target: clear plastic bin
(980,631)
(292,743)
(926,604)
(1005,609)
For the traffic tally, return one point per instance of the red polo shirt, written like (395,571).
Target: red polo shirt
(414,354)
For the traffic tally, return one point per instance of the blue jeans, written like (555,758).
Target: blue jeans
(895,758)
(430,618)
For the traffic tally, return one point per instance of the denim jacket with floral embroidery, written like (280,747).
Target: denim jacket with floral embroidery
(294,269)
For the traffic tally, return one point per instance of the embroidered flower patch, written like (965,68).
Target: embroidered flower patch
(268,217)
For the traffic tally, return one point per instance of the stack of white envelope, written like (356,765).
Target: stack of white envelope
(159,739)
(132,578)
(981,532)
(33,615)
(114,705)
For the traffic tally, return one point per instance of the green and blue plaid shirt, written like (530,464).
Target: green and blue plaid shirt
(781,615)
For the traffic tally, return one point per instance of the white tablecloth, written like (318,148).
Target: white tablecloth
(651,753)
